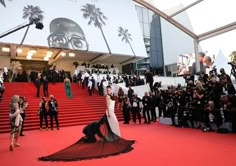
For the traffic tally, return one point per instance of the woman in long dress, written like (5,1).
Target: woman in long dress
(102,139)
(15,122)
(68,87)
(111,117)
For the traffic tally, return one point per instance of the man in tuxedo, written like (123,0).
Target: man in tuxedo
(45,86)
(149,79)
(130,92)
(146,107)
(201,57)
(37,83)
(53,111)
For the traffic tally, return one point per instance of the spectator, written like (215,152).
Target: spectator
(201,57)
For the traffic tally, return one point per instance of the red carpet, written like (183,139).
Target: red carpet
(155,145)
(79,110)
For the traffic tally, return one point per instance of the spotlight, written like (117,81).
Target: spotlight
(63,54)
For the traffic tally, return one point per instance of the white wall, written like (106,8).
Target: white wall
(119,14)
(67,65)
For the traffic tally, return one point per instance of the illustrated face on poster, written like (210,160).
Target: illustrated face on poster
(66,33)
(91,25)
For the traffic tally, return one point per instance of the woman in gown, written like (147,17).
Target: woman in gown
(107,140)
(111,116)
(15,122)
(68,87)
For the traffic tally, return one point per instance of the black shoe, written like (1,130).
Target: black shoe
(58,128)
(22,135)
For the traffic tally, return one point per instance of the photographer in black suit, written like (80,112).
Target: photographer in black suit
(53,111)
(149,79)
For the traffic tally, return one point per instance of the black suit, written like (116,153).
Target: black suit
(45,87)
(194,71)
(53,112)
(37,83)
(91,130)
(146,108)
(135,103)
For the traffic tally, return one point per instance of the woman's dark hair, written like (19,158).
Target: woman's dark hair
(108,86)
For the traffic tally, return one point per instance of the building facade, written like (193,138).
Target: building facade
(151,30)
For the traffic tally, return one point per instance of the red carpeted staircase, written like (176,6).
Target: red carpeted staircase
(81,109)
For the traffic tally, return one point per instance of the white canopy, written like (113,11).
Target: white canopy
(207,17)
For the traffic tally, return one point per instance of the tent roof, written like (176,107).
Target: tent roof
(201,19)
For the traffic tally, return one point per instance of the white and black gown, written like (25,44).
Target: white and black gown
(112,120)
(81,150)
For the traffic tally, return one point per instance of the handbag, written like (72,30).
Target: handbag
(39,111)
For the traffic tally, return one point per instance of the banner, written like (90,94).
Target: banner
(90,25)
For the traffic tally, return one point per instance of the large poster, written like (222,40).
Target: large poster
(184,63)
(90,25)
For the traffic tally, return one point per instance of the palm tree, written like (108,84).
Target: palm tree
(3,3)
(126,36)
(233,56)
(96,17)
(34,14)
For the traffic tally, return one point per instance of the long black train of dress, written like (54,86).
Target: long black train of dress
(82,150)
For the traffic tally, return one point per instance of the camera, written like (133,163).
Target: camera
(214,71)
(157,85)
(188,78)
(232,63)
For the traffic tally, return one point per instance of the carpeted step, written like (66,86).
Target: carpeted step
(81,109)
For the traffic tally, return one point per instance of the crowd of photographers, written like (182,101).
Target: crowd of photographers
(207,100)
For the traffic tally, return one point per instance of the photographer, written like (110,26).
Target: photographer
(182,116)
(214,91)
(230,112)
(156,87)
(211,115)
(187,114)
(199,99)
(135,107)
(227,86)
(53,111)
(188,78)
(172,107)
(223,74)
(43,113)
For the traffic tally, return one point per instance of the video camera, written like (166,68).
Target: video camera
(157,84)
(233,70)
(213,70)
(232,64)
(188,78)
